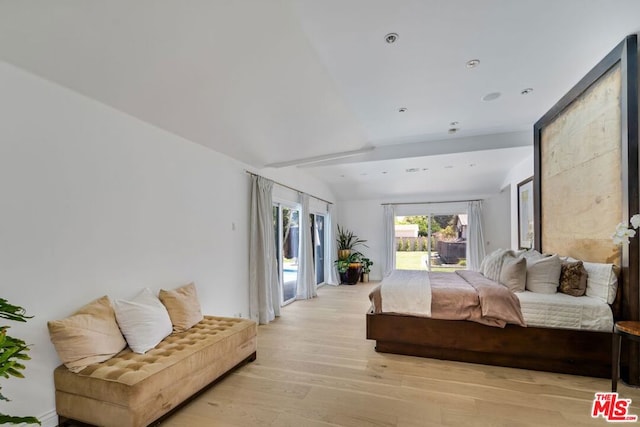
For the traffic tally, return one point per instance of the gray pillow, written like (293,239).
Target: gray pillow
(514,274)
(543,275)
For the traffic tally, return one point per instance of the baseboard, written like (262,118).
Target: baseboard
(49,419)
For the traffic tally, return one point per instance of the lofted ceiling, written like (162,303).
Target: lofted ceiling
(276,81)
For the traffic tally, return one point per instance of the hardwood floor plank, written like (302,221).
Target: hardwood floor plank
(315,368)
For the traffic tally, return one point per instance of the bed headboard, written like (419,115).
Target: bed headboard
(586,172)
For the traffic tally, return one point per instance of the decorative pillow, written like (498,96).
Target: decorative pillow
(573,279)
(492,263)
(514,274)
(143,320)
(602,281)
(183,306)
(531,254)
(543,275)
(90,335)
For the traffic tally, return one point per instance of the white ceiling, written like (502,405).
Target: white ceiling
(273,81)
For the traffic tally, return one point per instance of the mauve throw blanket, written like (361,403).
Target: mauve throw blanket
(463,295)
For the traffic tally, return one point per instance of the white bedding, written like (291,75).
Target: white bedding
(565,311)
(407,291)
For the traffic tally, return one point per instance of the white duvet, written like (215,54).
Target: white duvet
(565,311)
(407,291)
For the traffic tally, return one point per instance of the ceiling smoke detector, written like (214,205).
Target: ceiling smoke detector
(526,91)
(473,63)
(402,110)
(391,38)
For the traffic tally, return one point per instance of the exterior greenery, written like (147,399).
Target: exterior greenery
(13,352)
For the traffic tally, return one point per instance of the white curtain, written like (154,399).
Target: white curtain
(306,286)
(475,238)
(331,273)
(389,240)
(264,301)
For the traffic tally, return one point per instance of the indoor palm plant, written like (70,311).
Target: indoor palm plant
(347,241)
(12,352)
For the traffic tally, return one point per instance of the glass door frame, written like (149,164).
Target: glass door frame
(280,205)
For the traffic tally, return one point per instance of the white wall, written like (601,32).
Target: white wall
(364,218)
(95,202)
(517,174)
(496,221)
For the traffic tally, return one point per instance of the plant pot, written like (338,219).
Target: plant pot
(344,253)
(353,275)
(365,277)
(343,278)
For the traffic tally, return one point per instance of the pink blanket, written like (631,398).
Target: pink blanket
(467,295)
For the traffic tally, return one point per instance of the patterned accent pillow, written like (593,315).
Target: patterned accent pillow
(573,278)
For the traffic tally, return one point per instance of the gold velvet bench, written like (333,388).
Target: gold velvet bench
(133,390)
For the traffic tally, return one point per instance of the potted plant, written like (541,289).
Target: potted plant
(355,268)
(366,269)
(12,352)
(347,241)
(342,265)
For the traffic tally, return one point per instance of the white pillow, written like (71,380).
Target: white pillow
(602,282)
(543,274)
(144,321)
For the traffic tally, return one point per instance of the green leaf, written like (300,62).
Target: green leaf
(7,419)
(12,312)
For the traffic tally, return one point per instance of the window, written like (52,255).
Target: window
(431,242)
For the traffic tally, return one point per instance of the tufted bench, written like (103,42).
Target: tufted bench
(133,389)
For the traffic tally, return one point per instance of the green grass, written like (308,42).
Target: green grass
(416,261)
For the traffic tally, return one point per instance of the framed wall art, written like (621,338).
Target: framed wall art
(525,214)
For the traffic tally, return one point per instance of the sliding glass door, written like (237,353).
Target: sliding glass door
(431,242)
(287,231)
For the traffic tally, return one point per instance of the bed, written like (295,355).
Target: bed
(585,182)
(560,333)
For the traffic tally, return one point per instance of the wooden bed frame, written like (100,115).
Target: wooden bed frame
(540,349)
(555,350)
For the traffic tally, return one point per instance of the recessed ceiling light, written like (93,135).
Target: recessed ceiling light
(384,172)
(526,91)
(454,123)
(402,110)
(453,130)
(448,167)
(411,170)
(391,38)
(473,63)
(491,96)
(425,169)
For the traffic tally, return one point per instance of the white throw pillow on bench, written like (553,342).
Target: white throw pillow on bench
(144,321)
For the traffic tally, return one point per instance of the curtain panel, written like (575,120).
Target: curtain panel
(475,238)
(264,304)
(389,240)
(332,247)
(306,285)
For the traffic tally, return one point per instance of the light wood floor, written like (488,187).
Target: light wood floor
(315,368)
